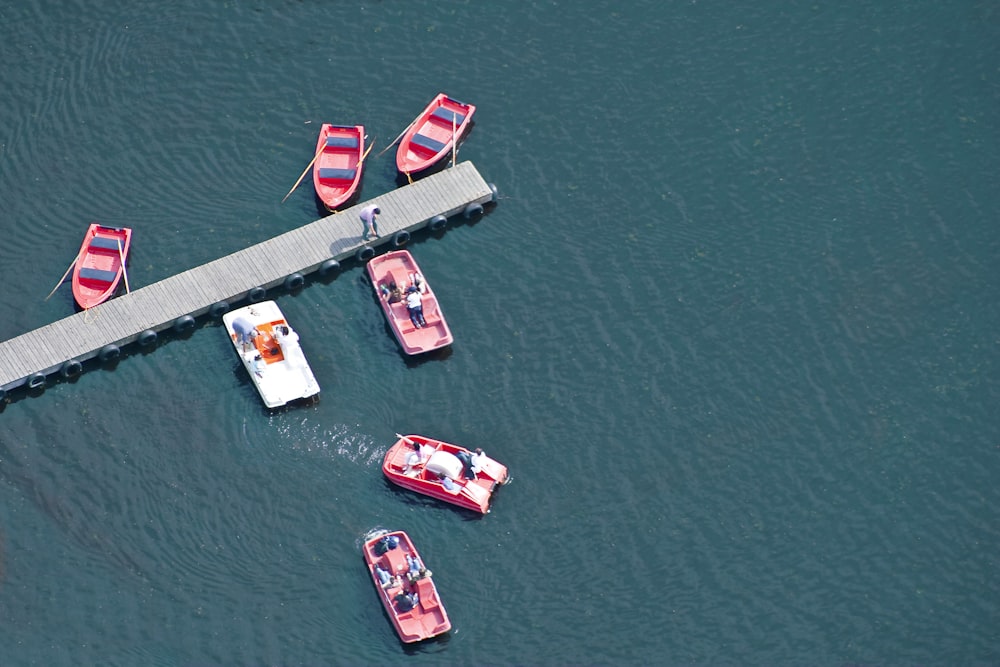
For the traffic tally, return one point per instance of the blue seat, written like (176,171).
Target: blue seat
(448,114)
(422,140)
(98,274)
(104,243)
(331,174)
(341,142)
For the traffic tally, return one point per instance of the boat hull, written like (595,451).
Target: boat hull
(428,617)
(339,163)
(100,264)
(439,457)
(432,136)
(281,373)
(400,268)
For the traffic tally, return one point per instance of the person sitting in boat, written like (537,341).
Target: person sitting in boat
(414,460)
(386,543)
(392,293)
(285,335)
(418,282)
(415,307)
(467,469)
(259,365)
(383,576)
(418,457)
(479,460)
(407,601)
(447,482)
(288,340)
(416,569)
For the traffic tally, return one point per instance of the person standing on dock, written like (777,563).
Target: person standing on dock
(370,224)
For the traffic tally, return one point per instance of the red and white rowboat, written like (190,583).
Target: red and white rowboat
(100,264)
(340,152)
(433,134)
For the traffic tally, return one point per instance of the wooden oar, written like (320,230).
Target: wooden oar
(71,265)
(454,144)
(365,155)
(306,171)
(122,258)
(399,137)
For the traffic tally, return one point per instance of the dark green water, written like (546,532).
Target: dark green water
(732,325)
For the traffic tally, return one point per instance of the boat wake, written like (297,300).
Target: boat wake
(338,441)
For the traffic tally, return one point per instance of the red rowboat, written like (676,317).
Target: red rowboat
(404,586)
(340,153)
(423,464)
(100,264)
(432,136)
(398,269)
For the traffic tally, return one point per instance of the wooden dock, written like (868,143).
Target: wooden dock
(248,275)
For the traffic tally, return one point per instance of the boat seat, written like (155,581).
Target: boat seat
(98,274)
(104,243)
(447,114)
(401,280)
(331,174)
(477,493)
(425,142)
(397,561)
(425,590)
(341,142)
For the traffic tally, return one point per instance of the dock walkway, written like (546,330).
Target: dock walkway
(244,276)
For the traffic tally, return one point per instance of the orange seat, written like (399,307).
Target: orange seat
(425,589)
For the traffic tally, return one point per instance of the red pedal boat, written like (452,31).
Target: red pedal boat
(405,586)
(398,269)
(433,134)
(100,264)
(340,152)
(444,471)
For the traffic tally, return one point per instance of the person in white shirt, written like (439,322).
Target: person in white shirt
(419,456)
(479,460)
(285,335)
(259,365)
(415,307)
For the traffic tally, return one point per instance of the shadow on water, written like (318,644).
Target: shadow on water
(323,211)
(442,354)
(419,501)
(433,645)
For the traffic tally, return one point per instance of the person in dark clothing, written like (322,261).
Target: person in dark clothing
(466,460)
(406,601)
